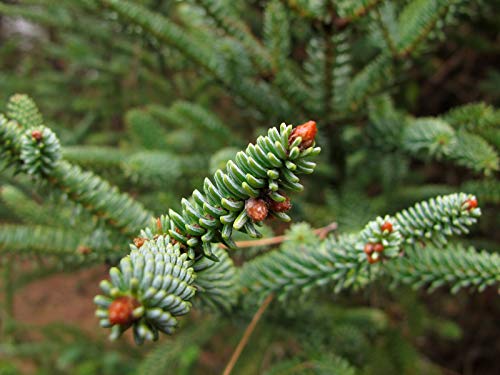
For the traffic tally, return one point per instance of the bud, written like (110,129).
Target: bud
(306,131)
(256,209)
(378,247)
(368,248)
(387,226)
(37,135)
(471,203)
(121,309)
(280,206)
(139,241)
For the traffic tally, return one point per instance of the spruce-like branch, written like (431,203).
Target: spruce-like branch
(37,152)
(167,32)
(40,240)
(155,283)
(217,283)
(351,261)
(487,190)
(455,266)
(150,288)
(24,111)
(418,19)
(374,76)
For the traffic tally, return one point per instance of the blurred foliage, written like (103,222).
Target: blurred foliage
(152,95)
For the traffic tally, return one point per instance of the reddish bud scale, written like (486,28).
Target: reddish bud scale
(387,226)
(121,309)
(139,241)
(368,248)
(471,203)
(256,209)
(378,247)
(280,206)
(306,131)
(37,135)
(372,251)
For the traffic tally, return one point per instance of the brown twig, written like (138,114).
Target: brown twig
(321,232)
(248,331)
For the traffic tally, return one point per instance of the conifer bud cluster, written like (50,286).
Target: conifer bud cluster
(259,208)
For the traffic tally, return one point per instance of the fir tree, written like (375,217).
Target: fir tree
(139,103)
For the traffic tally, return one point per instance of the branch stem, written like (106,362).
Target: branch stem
(248,332)
(321,232)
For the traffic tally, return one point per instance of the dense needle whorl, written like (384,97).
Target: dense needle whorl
(265,171)
(159,278)
(155,283)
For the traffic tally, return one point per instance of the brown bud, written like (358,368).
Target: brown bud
(139,241)
(387,226)
(121,309)
(256,209)
(368,248)
(158,224)
(37,135)
(471,203)
(372,259)
(280,206)
(306,131)
(378,247)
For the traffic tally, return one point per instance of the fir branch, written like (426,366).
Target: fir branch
(473,117)
(263,174)
(10,145)
(341,70)
(455,266)
(418,20)
(28,210)
(277,39)
(429,137)
(40,240)
(474,152)
(36,151)
(94,157)
(40,151)
(192,116)
(438,218)
(235,28)
(149,289)
(487,190)
(315,76)
(353,10)
(297,268)
(375,75)
(348,262)
(24,111)
(100,198)
(435,138)
(386,33)
(216,282)
(173,35)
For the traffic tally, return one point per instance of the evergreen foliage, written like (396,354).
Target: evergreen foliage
(142,100)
